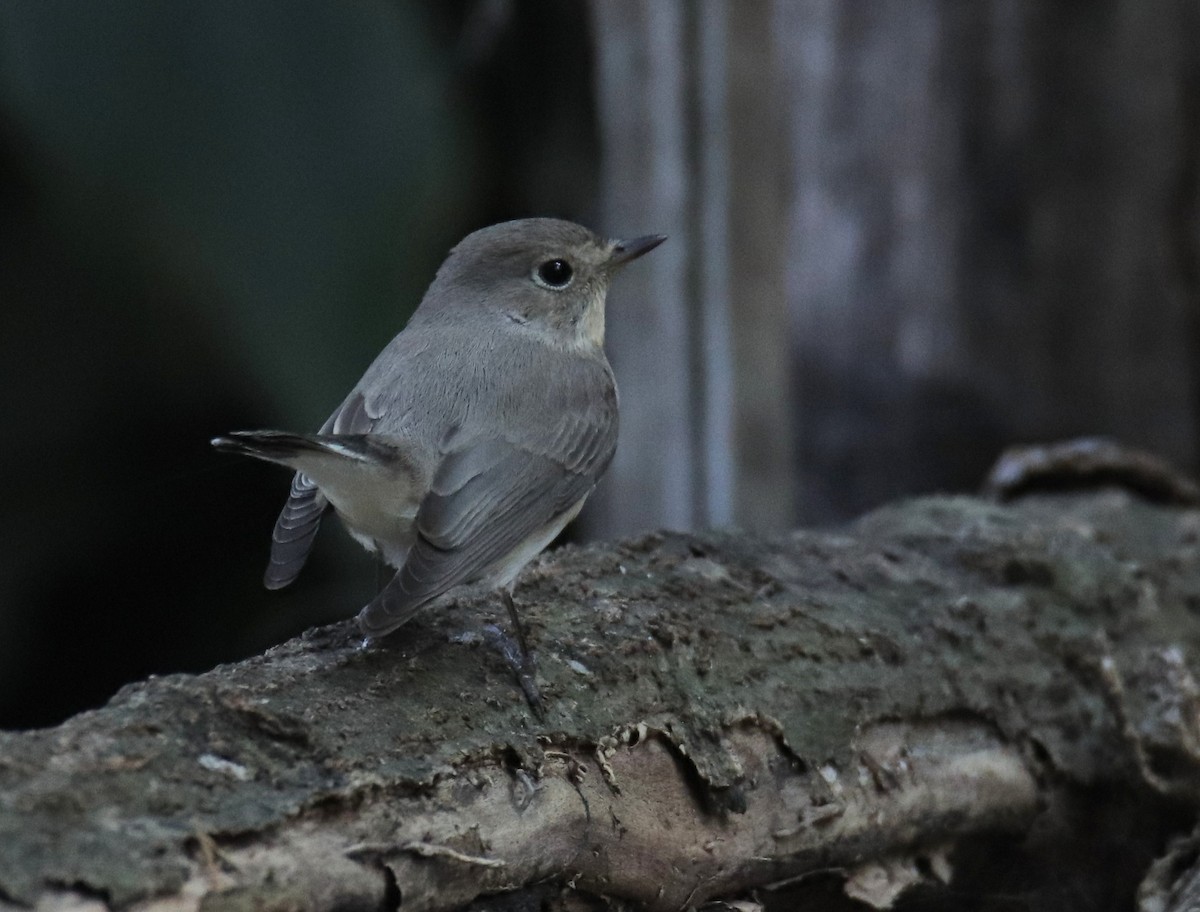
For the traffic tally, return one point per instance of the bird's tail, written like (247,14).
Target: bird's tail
(287,449)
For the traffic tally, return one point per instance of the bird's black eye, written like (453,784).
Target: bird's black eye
(554,274)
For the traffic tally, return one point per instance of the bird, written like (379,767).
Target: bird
(477,433)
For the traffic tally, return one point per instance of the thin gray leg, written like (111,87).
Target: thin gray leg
(525,669)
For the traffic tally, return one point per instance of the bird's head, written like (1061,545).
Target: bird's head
(544,274)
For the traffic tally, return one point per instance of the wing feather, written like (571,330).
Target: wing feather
(300,519)
(489,497)
(294,533)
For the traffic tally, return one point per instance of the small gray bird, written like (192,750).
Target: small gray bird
(478,432)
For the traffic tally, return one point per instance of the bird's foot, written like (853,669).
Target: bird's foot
(521,662)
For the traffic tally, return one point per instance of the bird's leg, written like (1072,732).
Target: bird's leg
(383,573)
(517,626)
(525,668)
(381,580)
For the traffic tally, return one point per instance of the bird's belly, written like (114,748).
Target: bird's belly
(380,521)
(392,552)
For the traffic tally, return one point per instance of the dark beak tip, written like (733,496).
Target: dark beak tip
(627,251)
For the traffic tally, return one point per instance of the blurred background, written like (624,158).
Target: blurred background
(903,236)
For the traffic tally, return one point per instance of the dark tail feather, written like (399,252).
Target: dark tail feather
(284,448)
(273,446)
(300,518)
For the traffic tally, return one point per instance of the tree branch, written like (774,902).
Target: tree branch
(723,713)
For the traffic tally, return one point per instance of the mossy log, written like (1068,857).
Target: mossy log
(948,695)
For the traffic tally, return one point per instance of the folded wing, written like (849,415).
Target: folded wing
(489,498)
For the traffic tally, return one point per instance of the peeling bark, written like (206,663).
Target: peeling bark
(1173,881)
(881,706)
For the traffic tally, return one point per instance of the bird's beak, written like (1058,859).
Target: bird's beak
(627,251)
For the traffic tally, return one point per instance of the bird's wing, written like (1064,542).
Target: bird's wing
(294,532)
(488,498)
(296,529)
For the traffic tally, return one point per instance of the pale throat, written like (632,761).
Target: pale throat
(589,331)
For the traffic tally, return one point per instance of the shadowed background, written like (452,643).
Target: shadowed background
(903,235)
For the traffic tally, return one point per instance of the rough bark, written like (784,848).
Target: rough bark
(889,706)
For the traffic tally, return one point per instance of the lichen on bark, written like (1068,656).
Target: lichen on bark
(722,712)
